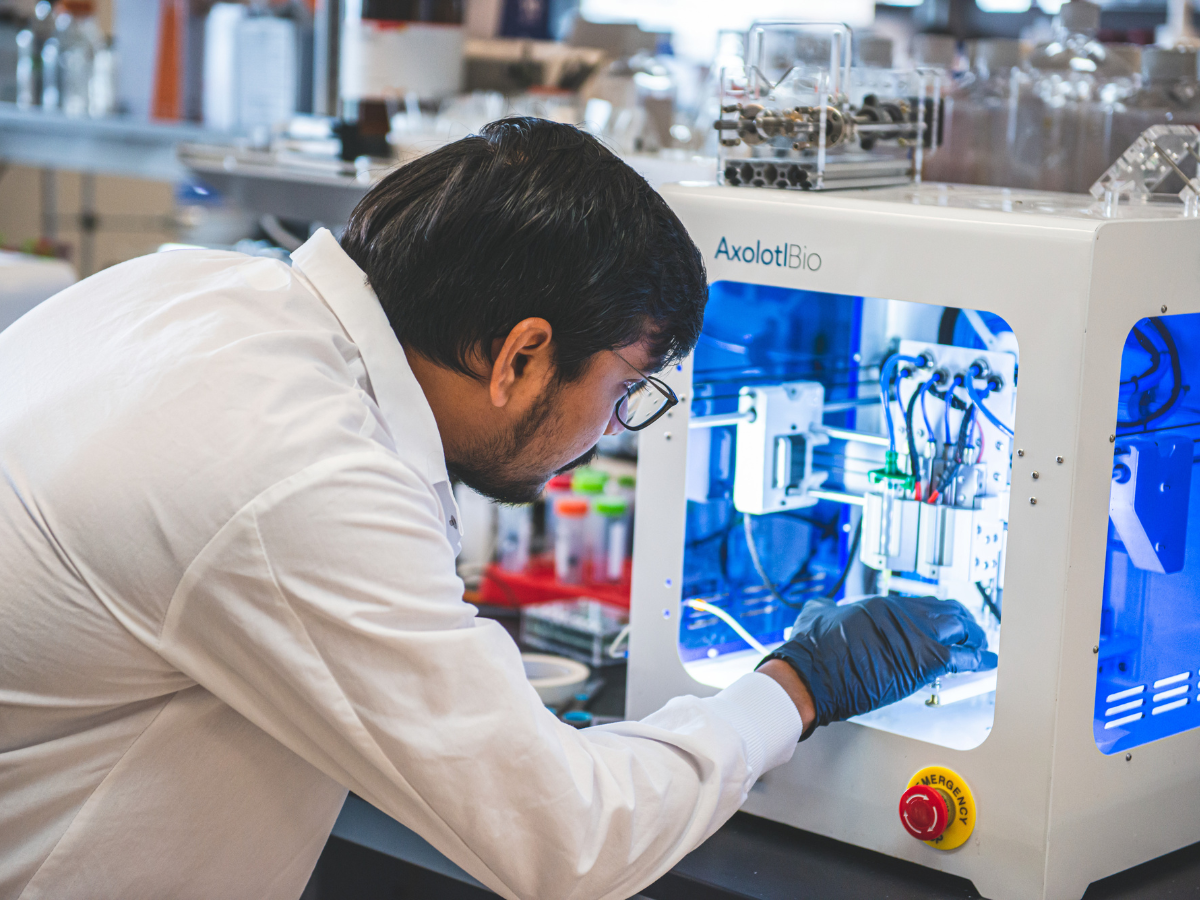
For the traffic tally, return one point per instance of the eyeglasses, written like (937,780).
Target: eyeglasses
(644,402)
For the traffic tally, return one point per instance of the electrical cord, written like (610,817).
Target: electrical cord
(851,555)
(988,602)
(950,472)
(756,560)
(729,620)
(977,400)
(885,390)
(927,387)
(949,398)
(1155,358)
(615,648)
(1176,379)
(758,566)
(964,429)
(914,462)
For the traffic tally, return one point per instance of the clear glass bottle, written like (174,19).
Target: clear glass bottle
(979,127)
(1075,82)
(999,79)
(1169,94)
(102,88)
(11,24)
(79,38)
(51,74)
(940,51)
(30,41)
(729,58)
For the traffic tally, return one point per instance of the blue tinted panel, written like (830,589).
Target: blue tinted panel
(1150,623)
(756,334)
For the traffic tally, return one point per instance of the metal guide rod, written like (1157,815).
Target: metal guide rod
(719,420)
(837,497)
(845,434)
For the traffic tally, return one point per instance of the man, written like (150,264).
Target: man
(227,540)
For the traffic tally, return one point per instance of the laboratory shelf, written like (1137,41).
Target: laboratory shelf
(286,184)
(299,186)
(112,146)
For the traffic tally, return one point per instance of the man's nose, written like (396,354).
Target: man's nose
(614,424)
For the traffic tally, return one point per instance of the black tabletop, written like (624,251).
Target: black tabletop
(372,857)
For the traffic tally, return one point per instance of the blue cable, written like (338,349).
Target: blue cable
(977,399)
(925,386)
(949,399)
(885,376)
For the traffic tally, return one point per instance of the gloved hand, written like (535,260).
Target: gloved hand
(864,655)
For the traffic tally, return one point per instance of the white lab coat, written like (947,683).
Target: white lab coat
(227,594)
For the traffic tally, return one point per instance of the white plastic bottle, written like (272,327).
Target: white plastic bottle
(608,556)
(570,539)
(514,528)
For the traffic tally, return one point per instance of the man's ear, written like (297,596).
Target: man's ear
(523,363)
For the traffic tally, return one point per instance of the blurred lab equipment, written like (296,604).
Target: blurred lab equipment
(267,73)
(555,678)
(206,218)
(11,25)
(583,629)
(78,42)
(391,51)
(477,525)
(26,280)
(31,40)
(257,67)
(980,125)
(1169,92)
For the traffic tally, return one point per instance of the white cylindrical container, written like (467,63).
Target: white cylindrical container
(477,525)
(558,486)
(387,56)
(608,556)
(514,528)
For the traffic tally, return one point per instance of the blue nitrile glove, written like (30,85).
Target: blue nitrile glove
(864,655)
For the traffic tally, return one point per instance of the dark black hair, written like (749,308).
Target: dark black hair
(529,218)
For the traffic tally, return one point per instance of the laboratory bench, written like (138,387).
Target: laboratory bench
(370,856)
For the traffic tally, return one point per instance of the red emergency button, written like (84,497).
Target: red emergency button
(924,812)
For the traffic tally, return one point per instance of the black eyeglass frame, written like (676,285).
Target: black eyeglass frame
(659,385)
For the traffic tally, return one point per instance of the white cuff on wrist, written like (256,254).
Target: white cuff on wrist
(761,711)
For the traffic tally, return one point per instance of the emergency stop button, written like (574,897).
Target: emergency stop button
(938,808)
(924,812)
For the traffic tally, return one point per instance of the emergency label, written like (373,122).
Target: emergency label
(951,784)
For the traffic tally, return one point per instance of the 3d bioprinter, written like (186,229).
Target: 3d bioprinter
(962,392)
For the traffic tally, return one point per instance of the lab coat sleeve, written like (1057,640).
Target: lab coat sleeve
(328,613)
